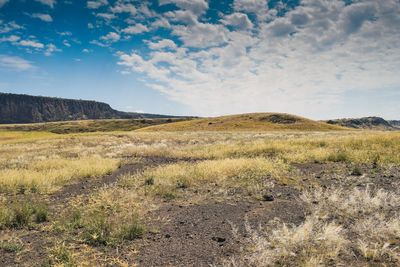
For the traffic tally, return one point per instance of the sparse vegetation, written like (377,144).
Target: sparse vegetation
(22,214)
(46,187)
(60,254)
(342,227)
(11,246)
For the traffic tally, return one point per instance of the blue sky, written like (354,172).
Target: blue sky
(317,58)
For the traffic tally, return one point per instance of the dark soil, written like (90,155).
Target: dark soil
(351,175)
(201,234)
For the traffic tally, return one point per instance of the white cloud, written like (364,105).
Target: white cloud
(51,49)
(111,37)
(15,63)
(106,16)
(183,16)
(96,4)
(49,3)
(11,38)
(120,7)
(66,43)
(162,44)
(31,43)
(201,35)
(197,7)
(160,23)
(3,2)
(258,7)
(67,33)
(8,27)
(136,29)
(85,50)
(95,42)
(301,62)
(238,20)
(43,17)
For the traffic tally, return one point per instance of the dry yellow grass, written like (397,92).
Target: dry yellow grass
(251,175)
(48,175)
(248,122)
(342,224)
(19,160)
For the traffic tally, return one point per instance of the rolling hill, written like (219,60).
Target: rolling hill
(247,122)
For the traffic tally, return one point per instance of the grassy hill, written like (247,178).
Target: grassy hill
(248,122)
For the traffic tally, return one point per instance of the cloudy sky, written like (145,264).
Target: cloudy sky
(317,58)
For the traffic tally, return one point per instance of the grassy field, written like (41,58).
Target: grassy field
(311,198)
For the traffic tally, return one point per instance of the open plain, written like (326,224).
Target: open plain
(294,197)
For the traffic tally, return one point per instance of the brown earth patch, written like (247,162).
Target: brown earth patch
(202,234)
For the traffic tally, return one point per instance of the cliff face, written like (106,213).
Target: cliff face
(366,123)
(395,124)
(27,109)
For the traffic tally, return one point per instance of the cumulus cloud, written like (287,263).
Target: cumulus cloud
(197,7)
(11,38)
(49,3)
(258,7)
(51,49)
(96,4)
(31,43)
(106,16)
(15,63)
(238,20)
(121,7)
(43,17)
(111,37)
(136,29)
(9,27)
(201,35)
(162,44)
(306,58)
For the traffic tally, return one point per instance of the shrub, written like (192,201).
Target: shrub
(149,180)
(61,255)
(356,171)
(75,220)
(11,246)
(41,214)
(98,231)
(133,230)
(20,215)
(340,156)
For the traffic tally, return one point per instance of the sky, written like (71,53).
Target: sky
(320,59)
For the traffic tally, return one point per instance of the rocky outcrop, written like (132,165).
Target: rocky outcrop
(376,123)
(16,108)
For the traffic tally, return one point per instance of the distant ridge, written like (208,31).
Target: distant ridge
(372,123)
(248,122)
(19,108)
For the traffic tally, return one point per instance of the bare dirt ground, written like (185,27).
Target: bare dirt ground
(197,234)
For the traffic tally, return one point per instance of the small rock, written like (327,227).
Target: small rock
(167,236)
(268,197)
(219,239)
